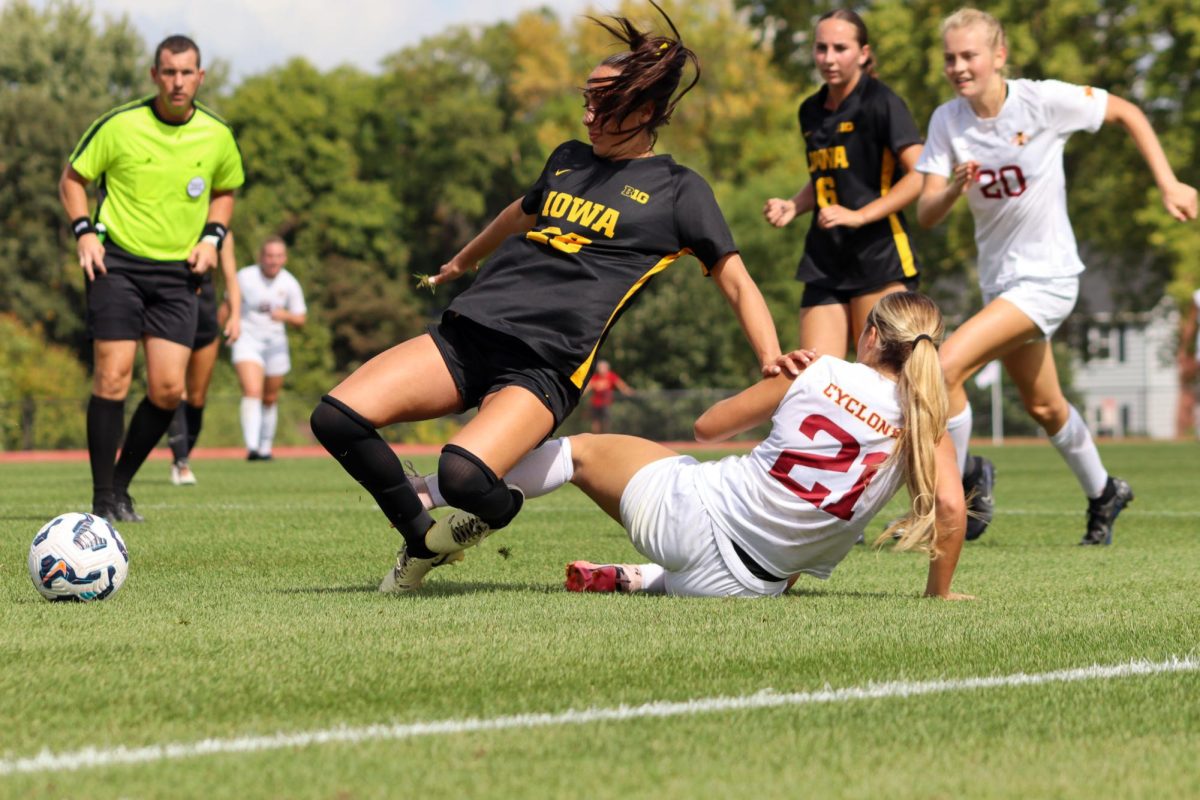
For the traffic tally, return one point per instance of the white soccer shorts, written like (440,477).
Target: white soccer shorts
(272,354)
(668,524)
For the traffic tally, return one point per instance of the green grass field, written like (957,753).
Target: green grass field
(251,611)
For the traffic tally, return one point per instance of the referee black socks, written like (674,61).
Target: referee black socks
(105,426)
(147,426)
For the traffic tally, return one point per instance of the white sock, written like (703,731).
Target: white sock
(1077,447)
(266,435)
(654,578)
(251,415)
(543,470)
(959,428)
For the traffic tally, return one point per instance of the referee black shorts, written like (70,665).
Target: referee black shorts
(136,298)
(207,328)
(482,361)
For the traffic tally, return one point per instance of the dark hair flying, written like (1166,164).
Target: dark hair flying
(651,70)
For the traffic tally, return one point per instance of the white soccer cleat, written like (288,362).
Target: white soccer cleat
(456,531)
(410,572)
(182,475)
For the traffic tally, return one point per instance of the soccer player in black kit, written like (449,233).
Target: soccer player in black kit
(567,259)
(862,145)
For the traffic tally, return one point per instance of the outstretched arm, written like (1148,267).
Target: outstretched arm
(951,511)
(511,220)
(747,301)
(1178,198)
(749,407)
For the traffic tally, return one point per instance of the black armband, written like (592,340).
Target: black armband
(81,226)
(214,233)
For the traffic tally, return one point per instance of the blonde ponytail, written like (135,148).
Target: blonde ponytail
(909,329)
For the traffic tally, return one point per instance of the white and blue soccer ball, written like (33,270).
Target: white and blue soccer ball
(78,557)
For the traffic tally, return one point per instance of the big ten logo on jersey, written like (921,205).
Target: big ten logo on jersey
(597,216)
(1007,181)
(636,194)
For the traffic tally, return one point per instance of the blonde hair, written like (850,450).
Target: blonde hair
(909,329)
(966,17)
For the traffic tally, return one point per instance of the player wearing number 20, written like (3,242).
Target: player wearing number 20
(1001,144)
(843,438)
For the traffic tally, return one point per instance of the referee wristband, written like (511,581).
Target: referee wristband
(81,226)
(214,233)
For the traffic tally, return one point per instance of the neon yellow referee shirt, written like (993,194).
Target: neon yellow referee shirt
(156,178)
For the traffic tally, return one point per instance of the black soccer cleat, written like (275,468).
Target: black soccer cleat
(1102,511)
(122,509)
(979,480)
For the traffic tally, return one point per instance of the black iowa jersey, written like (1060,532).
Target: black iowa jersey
(604,229)
(852,162)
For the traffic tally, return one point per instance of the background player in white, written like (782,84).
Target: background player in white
(1001,144)
(271,300)
(843,438)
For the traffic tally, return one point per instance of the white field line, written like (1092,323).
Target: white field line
(91,757)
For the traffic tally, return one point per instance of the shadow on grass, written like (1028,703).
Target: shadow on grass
(799,593)
(439,589)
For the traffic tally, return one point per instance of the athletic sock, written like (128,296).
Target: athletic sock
(266,436)
(544,470)
(251,416)
(358,447)
(959,428)
(177,435)
(105,427)
(1077,447)
(195,421)
(147,426)
(654,578)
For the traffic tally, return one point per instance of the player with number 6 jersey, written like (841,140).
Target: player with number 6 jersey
(1000,142)
(843,439)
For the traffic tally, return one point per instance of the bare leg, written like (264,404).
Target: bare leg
(605,464)
(861,306)
(826,329)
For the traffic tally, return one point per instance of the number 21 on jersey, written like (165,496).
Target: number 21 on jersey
(837,466)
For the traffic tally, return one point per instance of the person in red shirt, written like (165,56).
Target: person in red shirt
(601,387)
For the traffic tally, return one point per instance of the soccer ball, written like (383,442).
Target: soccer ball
(78,557)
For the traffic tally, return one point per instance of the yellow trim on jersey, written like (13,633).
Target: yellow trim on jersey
(581,373)
(903,248)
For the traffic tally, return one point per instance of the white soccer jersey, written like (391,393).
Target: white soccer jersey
(799,500)
(260,295)
(1020,200)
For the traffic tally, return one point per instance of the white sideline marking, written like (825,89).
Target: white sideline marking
(95,757)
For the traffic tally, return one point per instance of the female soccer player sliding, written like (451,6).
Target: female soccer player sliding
(1001,144)
(843,438)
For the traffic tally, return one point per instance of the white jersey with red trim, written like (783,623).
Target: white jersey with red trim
(1020,200)
(798,501)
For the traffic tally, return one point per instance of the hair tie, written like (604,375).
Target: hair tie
(921,336)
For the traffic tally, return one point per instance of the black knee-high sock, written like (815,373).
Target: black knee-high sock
(177,435)
(105,426)
(358,447)
(147,426)
(195,421)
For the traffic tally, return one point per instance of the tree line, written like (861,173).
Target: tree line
(375,178)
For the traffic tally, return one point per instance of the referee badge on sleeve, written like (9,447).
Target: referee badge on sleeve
(195,187)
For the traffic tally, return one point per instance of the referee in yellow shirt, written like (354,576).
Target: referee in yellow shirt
(166,168)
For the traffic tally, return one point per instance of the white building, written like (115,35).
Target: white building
(1125,370)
